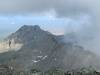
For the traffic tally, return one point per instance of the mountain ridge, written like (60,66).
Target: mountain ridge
(44,50)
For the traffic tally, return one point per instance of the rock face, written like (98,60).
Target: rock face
(43,50)
(27,34)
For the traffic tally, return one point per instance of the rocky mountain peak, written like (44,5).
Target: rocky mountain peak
(28,33)
(29,28)
(43,50)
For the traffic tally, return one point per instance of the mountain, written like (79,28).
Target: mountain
(43,50)
(27,33)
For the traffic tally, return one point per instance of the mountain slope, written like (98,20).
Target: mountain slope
(43,50)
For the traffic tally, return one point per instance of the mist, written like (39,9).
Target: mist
(86,25)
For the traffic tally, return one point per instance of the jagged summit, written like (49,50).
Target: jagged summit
(28,33)
(30,27)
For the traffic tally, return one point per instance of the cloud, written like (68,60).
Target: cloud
(61,7)
(58,8)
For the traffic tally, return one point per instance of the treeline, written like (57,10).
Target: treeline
(8,70)
(57,71)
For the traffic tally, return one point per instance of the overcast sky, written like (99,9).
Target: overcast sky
(51,15)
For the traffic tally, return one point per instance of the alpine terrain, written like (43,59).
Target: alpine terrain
(31,47)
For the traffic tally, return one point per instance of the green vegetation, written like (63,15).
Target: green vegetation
(54,71)
(57,71)
(7,70)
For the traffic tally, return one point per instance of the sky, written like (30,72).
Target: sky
(11,24)
(56,16)
(57,26)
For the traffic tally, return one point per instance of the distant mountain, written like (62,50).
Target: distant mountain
(44,50)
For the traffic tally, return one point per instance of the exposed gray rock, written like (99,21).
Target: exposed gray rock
(43,50)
